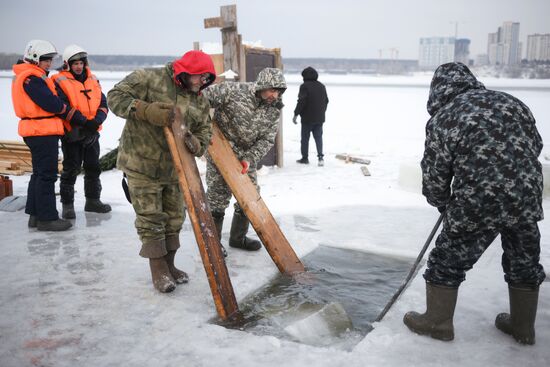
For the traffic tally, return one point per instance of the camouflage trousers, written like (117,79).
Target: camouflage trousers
(159,214)
(453,255)
(218,193)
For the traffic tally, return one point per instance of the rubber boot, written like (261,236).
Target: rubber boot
(179,275)
(53,225)
(162,279)
(520,322)
(218,221)
(437,321)
(237,236)
(96,206)
(32,221)
(68,211)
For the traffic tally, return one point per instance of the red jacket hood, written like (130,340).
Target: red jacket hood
(194,62)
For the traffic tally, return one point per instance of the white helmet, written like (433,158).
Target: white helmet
(38,48)
(73,52)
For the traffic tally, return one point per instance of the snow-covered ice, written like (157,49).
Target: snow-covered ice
(84,297)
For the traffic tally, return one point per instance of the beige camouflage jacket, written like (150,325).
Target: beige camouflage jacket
(143,150)
(247,122)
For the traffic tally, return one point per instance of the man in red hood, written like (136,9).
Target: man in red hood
(146,98)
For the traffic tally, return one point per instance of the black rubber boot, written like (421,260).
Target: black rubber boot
(218,221)
(68,211)
(437,321)
(237,236)
(53,225)
(520,322)
(179,275)
(162,279)
(96,206)
(32,221)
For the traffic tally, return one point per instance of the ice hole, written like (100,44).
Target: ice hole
(335,305)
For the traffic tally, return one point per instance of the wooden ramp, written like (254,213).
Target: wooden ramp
(202,222)
(253,205)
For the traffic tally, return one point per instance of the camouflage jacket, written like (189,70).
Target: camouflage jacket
(485,145)
(245,119)
(143,149)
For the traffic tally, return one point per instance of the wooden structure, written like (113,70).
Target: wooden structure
(202,221)
(247,62)
(253,205)
(15,158)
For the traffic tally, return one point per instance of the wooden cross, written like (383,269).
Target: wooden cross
(231,40)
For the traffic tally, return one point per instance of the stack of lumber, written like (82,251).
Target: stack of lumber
(15,158)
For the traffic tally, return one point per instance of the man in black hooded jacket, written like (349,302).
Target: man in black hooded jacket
(311,106)
(481,169)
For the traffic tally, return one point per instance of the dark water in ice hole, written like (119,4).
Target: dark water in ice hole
(361,282)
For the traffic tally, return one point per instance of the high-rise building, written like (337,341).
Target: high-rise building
(538,47)
(462,50)
(503,46)
(435,51)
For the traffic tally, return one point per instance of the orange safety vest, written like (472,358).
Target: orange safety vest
(34,120)
(85,97)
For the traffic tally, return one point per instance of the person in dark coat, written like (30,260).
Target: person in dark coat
(311,107)
(481,170)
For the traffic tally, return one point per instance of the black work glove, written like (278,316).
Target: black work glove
(90,139)
(295,119)
(77,119)
(92,125)
(442,209)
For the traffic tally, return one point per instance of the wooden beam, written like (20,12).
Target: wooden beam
(202,221)
(216,22)
(348,158)
(253,205)
(227,21)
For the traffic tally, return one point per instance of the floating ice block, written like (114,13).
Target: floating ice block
(321,326)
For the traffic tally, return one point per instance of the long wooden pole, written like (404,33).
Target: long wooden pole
(202,221)
(253,205)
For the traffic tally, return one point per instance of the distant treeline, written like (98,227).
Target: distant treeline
(526,69)
(343,66)
(7,60)
(100,62)
(131,62)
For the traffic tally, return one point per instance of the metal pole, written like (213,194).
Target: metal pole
(413,270)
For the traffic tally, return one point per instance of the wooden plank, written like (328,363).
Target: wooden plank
(9,165)
(349,158)
(365,171)
(216,22)
(13,142)
(18,172)
(202,221)
(16,158)
(253,205)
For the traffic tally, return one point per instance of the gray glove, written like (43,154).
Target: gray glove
(192,143)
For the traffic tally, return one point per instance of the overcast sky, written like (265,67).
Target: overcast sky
(310,28)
